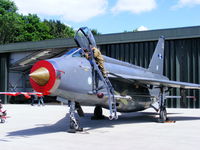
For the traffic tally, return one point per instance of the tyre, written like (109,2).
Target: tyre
(163,115)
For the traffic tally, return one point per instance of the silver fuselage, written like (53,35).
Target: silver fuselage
(76,83)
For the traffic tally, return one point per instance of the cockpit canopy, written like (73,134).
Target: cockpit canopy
(84,38)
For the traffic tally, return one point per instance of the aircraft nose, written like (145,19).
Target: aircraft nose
(41,76)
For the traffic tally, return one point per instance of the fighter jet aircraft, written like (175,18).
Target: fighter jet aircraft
(79,81)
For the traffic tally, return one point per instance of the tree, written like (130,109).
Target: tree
(9,20)
(95,32)
(15,27)
(32,29)
(58,29)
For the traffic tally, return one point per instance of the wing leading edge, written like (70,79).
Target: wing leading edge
(156,82)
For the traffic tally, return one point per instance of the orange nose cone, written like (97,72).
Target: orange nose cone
(40,76)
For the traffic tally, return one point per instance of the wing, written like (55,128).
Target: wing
(27,95)
(156,82)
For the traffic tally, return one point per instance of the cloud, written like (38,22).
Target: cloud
(142,28)
(70,10)
(186,3)
(134,6)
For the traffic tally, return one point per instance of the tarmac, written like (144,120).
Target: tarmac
(45,128)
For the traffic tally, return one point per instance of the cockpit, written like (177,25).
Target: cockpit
(84,39)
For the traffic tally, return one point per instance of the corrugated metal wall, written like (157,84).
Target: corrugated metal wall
(182,63)
(3,75)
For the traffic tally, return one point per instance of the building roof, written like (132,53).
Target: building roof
(151,35)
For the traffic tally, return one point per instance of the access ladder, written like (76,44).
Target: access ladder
(106,84)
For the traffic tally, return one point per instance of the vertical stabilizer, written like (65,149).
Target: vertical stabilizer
(156,64)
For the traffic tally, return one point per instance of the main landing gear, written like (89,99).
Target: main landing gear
(74,123)
(162,108)
(98,114)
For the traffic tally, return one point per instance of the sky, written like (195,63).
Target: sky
(115,16)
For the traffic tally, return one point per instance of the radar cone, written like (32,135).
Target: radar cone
(41,76)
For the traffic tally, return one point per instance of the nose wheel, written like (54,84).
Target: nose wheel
(74,126)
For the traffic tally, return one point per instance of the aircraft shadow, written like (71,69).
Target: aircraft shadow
(59,126)
(126,118)
(88,124)
(136,117)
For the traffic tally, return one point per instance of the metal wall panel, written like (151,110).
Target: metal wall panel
(3,75)
(182,63)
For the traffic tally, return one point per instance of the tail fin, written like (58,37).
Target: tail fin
(156,64)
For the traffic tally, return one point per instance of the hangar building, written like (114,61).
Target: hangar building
(182,57)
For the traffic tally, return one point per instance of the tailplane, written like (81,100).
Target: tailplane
(157,61)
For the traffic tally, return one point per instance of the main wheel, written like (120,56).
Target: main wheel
(163,115)
(98,113)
